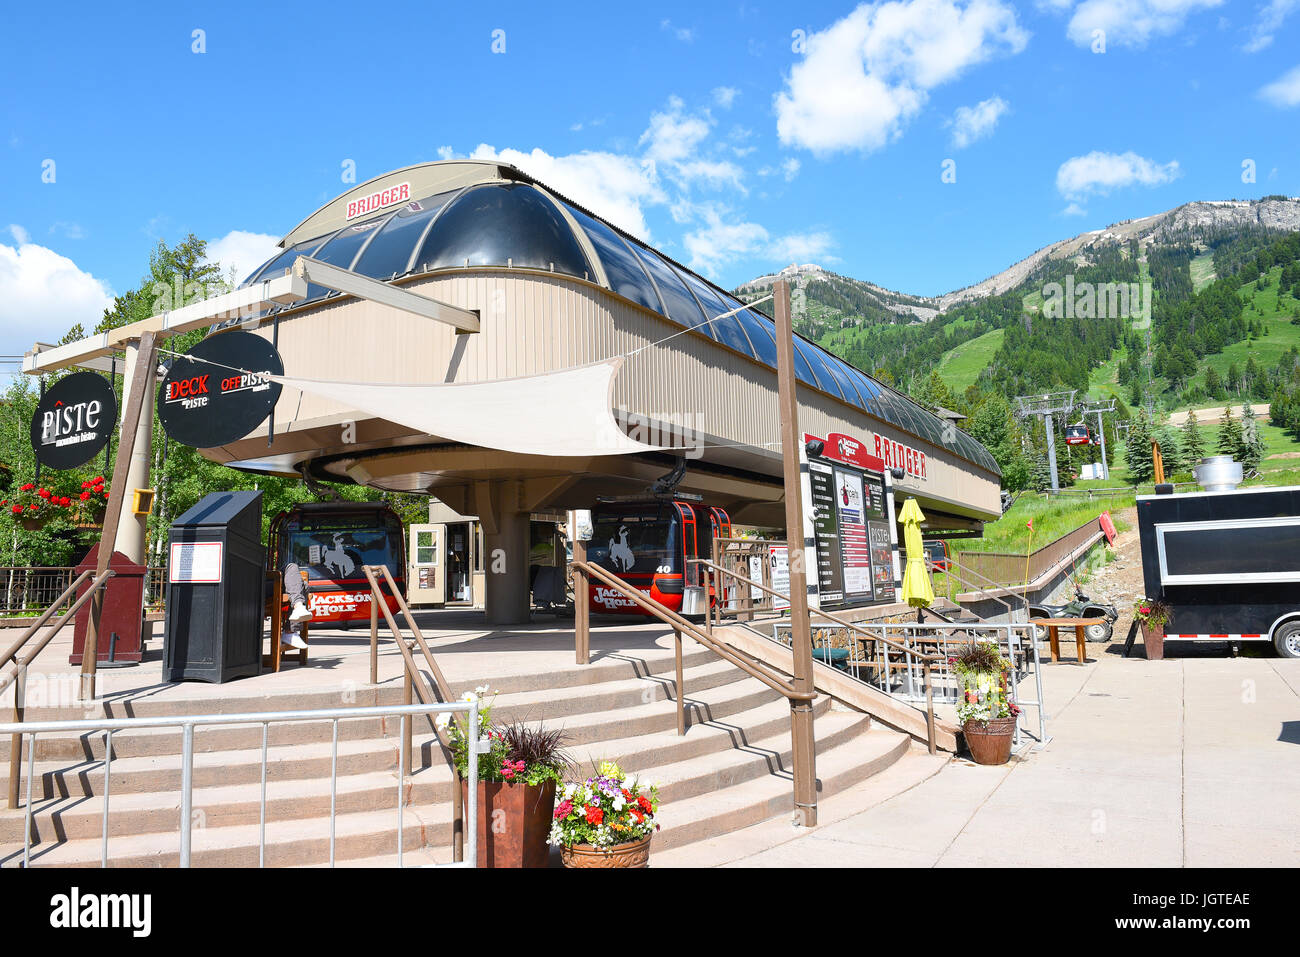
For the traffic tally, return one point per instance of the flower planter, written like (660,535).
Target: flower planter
(33,524)
(513,823)
(989,741)
(631,854)
(1153,642)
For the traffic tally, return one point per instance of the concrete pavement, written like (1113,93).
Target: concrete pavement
(1186,762)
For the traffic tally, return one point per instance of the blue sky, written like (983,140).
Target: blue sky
(736,137)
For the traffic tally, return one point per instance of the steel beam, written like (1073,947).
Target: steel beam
(363,287)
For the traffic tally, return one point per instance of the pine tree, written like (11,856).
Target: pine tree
(1229,434)
(1040,472)
(1193,442)
(1251,444)
(1213,382)
(1137,449)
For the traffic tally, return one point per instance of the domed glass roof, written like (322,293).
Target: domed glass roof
(518,225)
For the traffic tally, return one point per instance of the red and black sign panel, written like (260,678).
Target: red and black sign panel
(74,420)
(220,390)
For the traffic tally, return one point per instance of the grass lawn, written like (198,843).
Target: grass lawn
(961,366)
(1202,268)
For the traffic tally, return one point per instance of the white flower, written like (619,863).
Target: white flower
(619,803)
(467,696)
(443,719)
(481,689)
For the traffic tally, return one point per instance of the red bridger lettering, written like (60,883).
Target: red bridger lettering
(378,200)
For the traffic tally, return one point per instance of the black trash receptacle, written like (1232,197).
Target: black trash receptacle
(215,590)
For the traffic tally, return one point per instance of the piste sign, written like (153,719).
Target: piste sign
(220,390)
(74,420)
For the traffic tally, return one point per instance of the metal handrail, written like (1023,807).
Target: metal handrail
(187,723)
(19,674)
(411,683)
(679,623)
(927,660)
(962,570)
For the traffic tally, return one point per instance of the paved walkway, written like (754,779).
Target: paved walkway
(1192,762)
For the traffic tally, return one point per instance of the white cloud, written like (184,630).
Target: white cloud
(673,134)
(44,294)
(971,123)
(1130,23)
(1098,173)
(685,34)
(242,251)
(614,186)
(1270,19)
(1285,90)
(866,76)
(719,242)
(1074,209)
(724,96)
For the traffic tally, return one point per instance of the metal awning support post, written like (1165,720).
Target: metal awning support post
(804,746)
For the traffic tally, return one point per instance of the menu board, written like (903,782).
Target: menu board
(854,545)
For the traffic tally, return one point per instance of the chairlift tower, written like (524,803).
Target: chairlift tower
(1046,406)
(1099,407)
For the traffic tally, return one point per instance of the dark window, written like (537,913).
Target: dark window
(627,276)
(390,251)
(648,539)
(1225,553)
(726,331)
(343,248)
(503,224)
(277,265)
(681,305)
(803,370)
(762,336)
(817,359)
(843,378)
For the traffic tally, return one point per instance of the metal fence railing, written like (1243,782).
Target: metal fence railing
(187,724)
(27,591)
(887,656)
(1004,568)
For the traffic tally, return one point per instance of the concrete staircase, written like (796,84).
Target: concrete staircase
(730,770)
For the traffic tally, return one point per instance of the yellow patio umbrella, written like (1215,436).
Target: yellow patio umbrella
(917,588)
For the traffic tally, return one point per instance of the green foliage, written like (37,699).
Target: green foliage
(1137,449)
(1192,440)
(1229,434)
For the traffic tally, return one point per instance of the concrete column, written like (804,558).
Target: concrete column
(132,530)
(505,567)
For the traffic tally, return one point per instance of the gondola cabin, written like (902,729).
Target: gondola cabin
(649,545)
(331,541)
(1077,434)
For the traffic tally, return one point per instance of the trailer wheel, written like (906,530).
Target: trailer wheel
(1287,640)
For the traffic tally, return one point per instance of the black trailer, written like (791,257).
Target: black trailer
(1228,562)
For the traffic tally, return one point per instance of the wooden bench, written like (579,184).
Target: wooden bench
(277,609)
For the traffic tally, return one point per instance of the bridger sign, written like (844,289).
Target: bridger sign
(220,390)
(378,200)
(74,420)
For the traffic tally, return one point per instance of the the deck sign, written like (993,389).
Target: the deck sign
(74,420)
(849,512)
(220,390)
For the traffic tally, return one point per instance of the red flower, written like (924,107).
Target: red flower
(594,815)
(1144,610)
(17,509)
(99,480)
(85,496)
(44,493)
(636,813)
(34,507)
(65,501)
(564,808)
(507,771)
(644,804)
(85,485)
(28,487)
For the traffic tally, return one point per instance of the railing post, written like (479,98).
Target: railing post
(187,791)
(375,598)
(679,689)
(581,605)
(408,726)
(16,740)
(929,707)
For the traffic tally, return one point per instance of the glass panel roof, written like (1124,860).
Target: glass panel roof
(627,276)
(682,307)
(389,252)
(495,224)
(503,224)
(726,331)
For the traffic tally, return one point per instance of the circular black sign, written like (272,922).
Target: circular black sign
(218,392)
(74,420)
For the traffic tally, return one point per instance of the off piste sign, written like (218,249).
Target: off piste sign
(400,193)
(220,390)
(74,420)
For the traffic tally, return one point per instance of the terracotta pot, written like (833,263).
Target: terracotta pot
(989,741)
(631,854)
(514,821)
(1153,642)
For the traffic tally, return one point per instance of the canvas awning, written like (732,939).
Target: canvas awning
(568,413)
